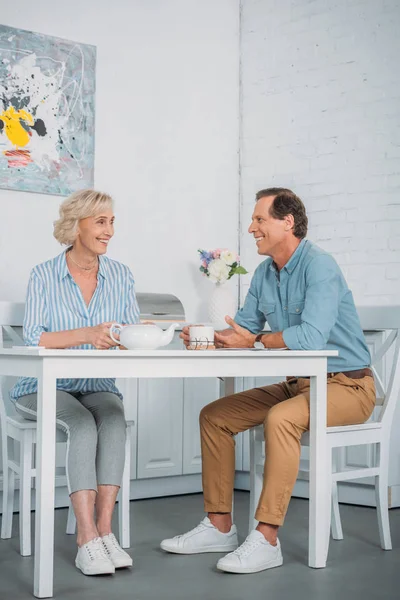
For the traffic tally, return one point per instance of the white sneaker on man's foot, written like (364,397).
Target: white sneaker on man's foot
(203,538)
(92,559)
(118,557)
(255,554)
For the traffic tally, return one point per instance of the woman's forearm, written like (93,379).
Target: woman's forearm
(64,339)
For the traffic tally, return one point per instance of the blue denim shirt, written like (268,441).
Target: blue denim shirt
(309,301)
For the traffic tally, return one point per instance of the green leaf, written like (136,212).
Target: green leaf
(240,271)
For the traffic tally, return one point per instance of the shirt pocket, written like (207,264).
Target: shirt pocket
(269,311)
(295,310)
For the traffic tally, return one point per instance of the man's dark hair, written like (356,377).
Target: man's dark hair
(287,203)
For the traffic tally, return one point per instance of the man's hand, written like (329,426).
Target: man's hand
(237,337)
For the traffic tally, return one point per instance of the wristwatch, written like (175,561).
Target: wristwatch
(258,339)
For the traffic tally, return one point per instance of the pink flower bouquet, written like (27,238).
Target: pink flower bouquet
(219,265)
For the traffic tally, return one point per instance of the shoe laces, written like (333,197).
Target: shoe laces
(246,548)
(200,527)
(95,549)
(112,540)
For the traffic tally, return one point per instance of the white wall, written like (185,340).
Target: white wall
(320,97)
(320,93)
(167,139)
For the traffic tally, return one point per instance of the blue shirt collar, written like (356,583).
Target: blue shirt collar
(293,260)
(63,270)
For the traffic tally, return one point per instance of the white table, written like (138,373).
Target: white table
(48,365)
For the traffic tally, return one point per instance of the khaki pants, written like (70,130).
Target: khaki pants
(284,410)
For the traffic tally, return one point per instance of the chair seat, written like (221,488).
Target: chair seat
(305,438)
(16,420)
(373,425)
(362,427)
(19,422)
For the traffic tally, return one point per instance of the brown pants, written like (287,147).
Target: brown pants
(284,410)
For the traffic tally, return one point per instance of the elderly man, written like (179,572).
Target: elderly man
(302,294)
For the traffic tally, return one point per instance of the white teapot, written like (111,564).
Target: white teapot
(142,336)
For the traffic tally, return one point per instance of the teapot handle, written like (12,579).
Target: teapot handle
(118,327)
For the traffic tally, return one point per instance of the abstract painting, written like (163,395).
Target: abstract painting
(47,104)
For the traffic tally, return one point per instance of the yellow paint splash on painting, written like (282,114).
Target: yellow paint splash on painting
(17,134)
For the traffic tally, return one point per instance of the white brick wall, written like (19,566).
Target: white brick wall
(320,97)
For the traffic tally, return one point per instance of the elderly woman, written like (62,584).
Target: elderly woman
(71,302)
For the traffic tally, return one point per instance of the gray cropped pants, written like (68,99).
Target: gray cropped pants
(96,433)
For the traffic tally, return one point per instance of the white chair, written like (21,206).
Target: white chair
(385,318)
(15,428)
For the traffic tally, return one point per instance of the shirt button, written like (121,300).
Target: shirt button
(285,308)
(297,310)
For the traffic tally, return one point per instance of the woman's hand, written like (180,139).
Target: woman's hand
(184,335)
(99,336)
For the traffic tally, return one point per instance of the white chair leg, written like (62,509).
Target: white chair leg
(25,485)
(256,476)
(8,493)
(382,500)
(4,524)
(71,520)
(8,503)
(336,523)
(4,510)
(252,479)
(124,493)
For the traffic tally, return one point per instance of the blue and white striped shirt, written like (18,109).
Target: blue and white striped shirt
(55,303)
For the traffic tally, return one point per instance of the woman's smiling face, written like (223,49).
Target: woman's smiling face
(94,233)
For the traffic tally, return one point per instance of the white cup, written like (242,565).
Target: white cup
(201,336)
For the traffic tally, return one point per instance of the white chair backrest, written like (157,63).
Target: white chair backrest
(385,318)
(11,320)
(12,313)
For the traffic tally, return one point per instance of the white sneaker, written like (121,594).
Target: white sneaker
(255,554)
(203,538)
(92,559)
(118,557)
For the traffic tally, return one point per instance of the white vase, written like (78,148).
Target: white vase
(222,302)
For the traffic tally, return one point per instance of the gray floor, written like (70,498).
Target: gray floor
(357,567)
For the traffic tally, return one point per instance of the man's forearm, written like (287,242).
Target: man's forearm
(273,340)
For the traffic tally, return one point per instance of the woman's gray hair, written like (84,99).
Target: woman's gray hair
(82,204)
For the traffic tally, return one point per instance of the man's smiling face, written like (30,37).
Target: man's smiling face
(269,233)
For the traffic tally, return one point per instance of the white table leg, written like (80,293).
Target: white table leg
(25,488)
(124,493)
(45,465)
(319,506)
(227,386)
